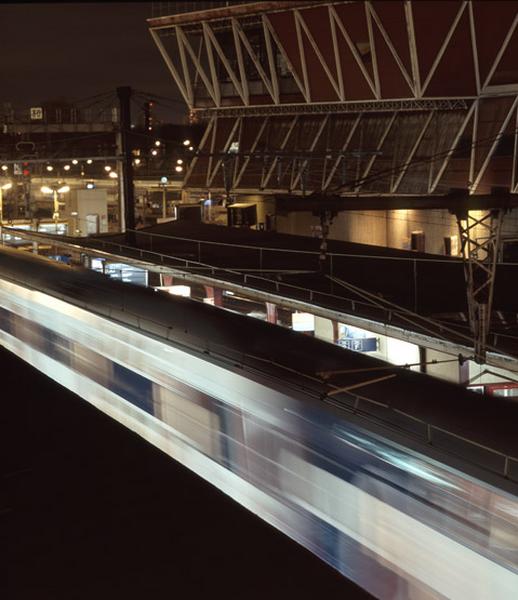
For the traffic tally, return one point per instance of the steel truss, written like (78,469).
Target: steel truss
(480,239)
(379,106)
(318,44)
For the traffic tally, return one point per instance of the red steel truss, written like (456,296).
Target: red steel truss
(389,97)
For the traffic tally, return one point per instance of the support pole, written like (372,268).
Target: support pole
(126,180)
(480,240)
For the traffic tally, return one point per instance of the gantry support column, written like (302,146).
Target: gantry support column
(480,239)
(126,180)
(271,313)
(214,295)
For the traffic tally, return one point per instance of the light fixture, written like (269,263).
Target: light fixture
(7,186)
(89,161)
(191,148)
(74,213)
(154,152)
(112,174)
(46,190)
(178,168)
(137,162)
(163,179)
(63,189)
(67,167)
(50,168)
(107,168)
(187,142)
(90,185)
(4,167)
(179,161)
(75,161)
(157,143)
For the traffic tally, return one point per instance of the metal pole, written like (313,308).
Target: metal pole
(127,192)
(56,209)
(415,285)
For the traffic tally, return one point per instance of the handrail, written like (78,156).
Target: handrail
(389,313)
(295,251)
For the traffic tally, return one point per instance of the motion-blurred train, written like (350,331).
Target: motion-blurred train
(343,466)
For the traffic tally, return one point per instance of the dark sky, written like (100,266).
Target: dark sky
(74,51)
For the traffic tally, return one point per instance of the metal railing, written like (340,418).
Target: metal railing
(374,309)
(437,437)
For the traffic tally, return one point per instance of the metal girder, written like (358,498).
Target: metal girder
(480,240)
(375,106)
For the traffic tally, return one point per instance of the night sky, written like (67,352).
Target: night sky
(73,51)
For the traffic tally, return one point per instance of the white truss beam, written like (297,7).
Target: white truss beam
(271,60)
(203,141)
(354,52)
(500,53)
(373,50)
(416,77)
(197,64)
(302,55)
(319,55)
(344,147)
(294,74)
(253,147)
(226,146)
(240,62)
(451,150)
(411,154)
(315,141)
(212,41)
(444,45)
(241,37)
(185,90)
(379,146)
(336,51)
(266,178)
(212,149)
(393,51)
(474,46)
(212,65)
(495,143)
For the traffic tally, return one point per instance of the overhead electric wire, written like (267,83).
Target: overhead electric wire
(426,160)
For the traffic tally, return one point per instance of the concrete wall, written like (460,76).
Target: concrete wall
(89,202)
(389,228)
(448,371)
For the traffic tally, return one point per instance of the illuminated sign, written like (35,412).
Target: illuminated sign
(36,113)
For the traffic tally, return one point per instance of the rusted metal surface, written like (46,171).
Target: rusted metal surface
(226,12)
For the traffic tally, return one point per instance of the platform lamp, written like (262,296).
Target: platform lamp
(4,187)
(163,184)
(55,190)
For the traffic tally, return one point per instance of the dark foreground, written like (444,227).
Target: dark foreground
(90,510)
